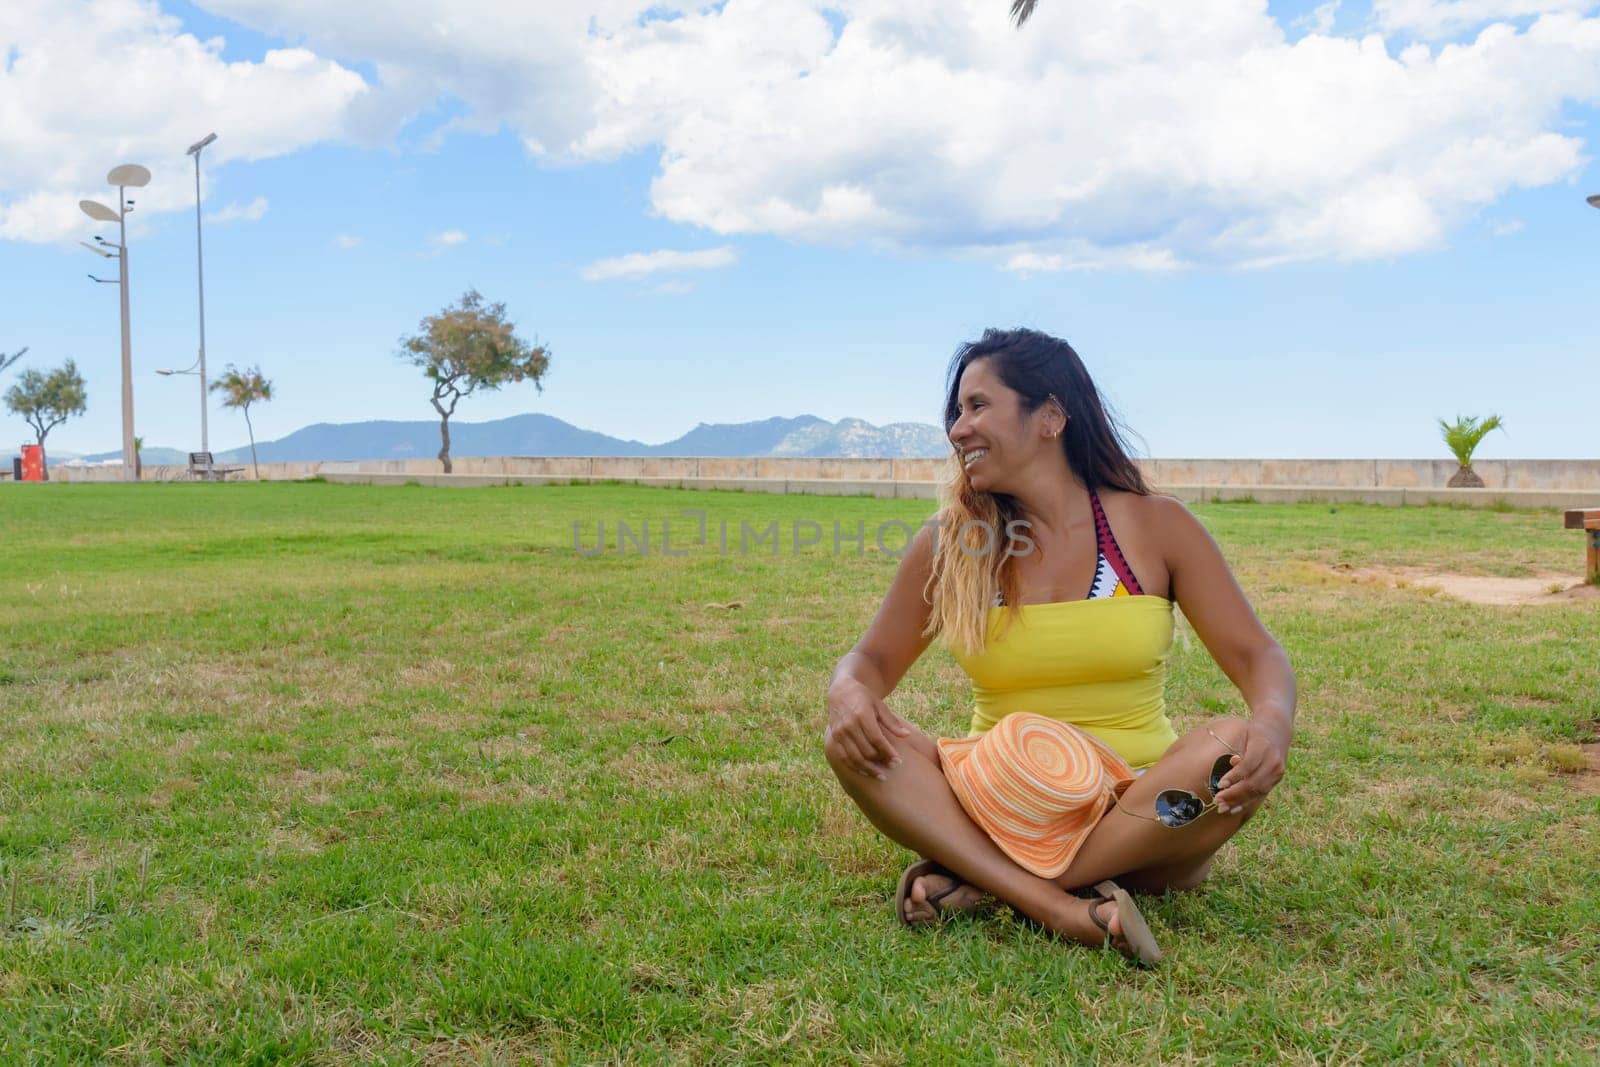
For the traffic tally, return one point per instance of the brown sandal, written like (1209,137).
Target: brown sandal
(1135,930)
(910,875)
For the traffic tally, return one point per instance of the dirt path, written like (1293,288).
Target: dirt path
(1477,588)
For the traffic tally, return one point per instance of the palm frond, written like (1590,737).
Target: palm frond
(1022,10)
(1464,435)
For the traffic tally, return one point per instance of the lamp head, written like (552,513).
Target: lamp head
(98,211)
(194,149)
(129,174)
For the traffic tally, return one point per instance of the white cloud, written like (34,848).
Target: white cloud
(1122,133)
(1099,134)
(1321,19)
(251,212)
(1087,257)
(346,241)
(518,64)
(447,239)
(1026,263)
(1434,19)
(1131,133)
(643,264)
(86,86)
(1505,227)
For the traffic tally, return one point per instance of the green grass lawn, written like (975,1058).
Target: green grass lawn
(321,773)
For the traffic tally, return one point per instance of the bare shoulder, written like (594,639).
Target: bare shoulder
(1167,510)
(1154,513)
(1180,529)
(1166,524)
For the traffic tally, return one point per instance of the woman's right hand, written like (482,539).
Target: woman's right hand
(859,730)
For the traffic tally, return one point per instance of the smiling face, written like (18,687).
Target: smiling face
(996,437)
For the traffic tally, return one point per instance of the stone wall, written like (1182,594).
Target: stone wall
(1510,474)
(1375,473)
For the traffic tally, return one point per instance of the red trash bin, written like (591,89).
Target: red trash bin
(32,463)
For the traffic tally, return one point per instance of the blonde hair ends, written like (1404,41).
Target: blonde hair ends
(971,546)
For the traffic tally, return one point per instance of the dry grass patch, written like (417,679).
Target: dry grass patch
(1543,589)
(482,789)
(1399,795)
(1587,778)
(436,670)
(534,1046)
(452,721)
(741,779)
(167,792)
(311,786)
(1523,750)
(521,744)
(283,839)
(779,1003)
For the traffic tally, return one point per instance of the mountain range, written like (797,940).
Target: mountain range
(545,435)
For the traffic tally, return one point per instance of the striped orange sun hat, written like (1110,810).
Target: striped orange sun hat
(1036,785)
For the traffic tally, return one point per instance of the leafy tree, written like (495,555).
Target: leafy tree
(48,400)
(467,347)
(6,361)
(1462,438)
(240,389)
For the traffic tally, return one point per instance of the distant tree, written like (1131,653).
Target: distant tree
(1462,438)
(48,400)
(467,347)
(6,361)
(1022,10)
(240,389)
(138,460)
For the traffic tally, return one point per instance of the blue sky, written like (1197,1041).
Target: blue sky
(1320,345)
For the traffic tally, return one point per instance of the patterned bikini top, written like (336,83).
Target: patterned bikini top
(1112,575)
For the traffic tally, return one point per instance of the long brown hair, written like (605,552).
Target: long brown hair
(977,539)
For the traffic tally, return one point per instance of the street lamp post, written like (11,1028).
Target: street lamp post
(200,271)
(129,175)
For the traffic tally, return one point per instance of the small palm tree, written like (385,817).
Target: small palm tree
(240,389)
(138,460)
(1462,438)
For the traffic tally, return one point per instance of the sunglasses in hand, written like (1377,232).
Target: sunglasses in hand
(1179,807)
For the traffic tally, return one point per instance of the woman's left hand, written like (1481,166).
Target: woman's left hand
(1254,773)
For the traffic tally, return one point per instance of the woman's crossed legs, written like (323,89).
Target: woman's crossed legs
(914,806)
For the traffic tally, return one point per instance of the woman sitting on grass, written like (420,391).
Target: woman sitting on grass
(1072,774)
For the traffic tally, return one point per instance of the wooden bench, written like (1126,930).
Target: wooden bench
(1588,520)
(203,467)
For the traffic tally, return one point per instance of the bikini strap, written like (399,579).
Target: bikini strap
(1109,547)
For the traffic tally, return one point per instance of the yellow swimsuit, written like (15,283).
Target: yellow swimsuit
(1099,664)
